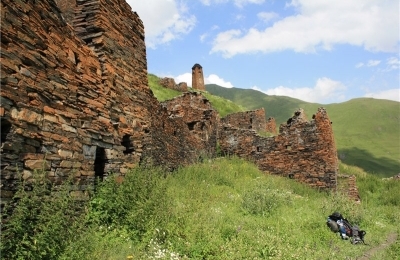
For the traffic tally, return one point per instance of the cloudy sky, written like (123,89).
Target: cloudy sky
(323,51)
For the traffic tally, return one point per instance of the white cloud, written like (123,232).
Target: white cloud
(370,63)
(210,79)
(163,21)
(267,16)
(390,94)
(186,77)
(203,37)
(325,91)
(215,79)
(371,24)
(359,65)
(373,63)
(393,63)
(238,3)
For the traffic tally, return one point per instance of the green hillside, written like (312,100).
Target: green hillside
(222,105)
(279,107)
(367,131)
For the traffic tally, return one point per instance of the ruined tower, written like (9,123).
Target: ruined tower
(197,77)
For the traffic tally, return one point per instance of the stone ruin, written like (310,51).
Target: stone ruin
(247,120)
(75,98)
(75,101)
(198,77)
(303,150)
(170,83)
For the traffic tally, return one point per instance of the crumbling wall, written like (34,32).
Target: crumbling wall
(347,185)
(189,132)
(49,85)
(270,125)
(75,102)
(67,8)
(303,150)
(75,98)
(247,120)
(170,83)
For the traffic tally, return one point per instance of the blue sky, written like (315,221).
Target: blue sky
(322,51)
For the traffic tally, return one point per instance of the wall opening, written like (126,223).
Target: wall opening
(99,164)
(191,125)
(5,130)
(127,143)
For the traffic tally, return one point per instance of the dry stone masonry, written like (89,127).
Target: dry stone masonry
(247,120)
(303,150)
(170,83)
(198,77)
(75,101)
(75,98)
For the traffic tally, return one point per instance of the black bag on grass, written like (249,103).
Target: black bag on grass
(337,223)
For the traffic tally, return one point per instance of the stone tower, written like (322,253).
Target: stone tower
(197,77)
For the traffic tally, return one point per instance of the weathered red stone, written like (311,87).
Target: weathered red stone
(75,101)
(303,150)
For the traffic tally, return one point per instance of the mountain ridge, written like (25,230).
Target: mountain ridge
(366,129)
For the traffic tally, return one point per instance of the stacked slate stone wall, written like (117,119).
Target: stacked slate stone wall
(170,83)
(75,98)
(303,150)
(191,129)
(75,101)
(347,185)
(49,85)
(271,125)
(247,120)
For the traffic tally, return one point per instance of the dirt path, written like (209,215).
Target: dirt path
(390,240)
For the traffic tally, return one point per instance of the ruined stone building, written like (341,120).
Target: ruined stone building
(75,97)
(75,101)
(170,83)
(247,120)
(303,150)
(198,77)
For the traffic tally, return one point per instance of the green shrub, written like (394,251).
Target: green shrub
(137,204)
(263,200)
(42,222)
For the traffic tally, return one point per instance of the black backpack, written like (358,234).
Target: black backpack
(356,235)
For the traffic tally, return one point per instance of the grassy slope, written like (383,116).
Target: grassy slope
(367,131)
(222,105)
(228,209)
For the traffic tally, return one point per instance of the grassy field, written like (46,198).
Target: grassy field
(219,209)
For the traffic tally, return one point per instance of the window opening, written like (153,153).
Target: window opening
(191,125)
(127,143)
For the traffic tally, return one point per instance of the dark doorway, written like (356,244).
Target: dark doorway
(5,130)
(99,164)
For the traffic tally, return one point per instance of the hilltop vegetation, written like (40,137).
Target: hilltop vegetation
(367,131)
(219,209)
(222,105)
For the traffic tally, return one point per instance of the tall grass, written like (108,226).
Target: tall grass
(223,209)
